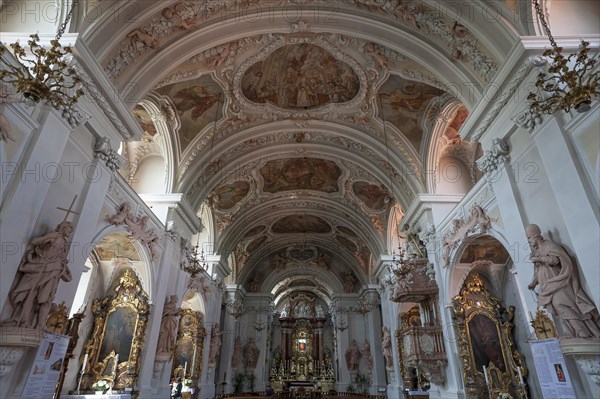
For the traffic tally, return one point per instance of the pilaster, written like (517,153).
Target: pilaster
(577,206)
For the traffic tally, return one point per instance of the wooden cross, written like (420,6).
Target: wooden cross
(69,210)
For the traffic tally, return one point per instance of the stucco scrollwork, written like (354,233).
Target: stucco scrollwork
(495,157)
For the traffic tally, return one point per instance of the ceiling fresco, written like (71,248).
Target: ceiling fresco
(374,196)
(300,76)
(227,196)
(196,102)
(297,108)
(404,103)
(346,243)
(116,245)
(303,224)
(461,115)
(300,174)
(144,119)
(485,248)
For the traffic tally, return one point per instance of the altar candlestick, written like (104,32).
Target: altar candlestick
(184,370)
(520,375)
(85,359)
(487,380)
(115,365)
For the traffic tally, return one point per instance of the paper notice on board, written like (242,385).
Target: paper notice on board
(551,369)
(45,372)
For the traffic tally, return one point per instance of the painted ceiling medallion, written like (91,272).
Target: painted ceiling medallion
(302,224)
(300,76)
(300,174)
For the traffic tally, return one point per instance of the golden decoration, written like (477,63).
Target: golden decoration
(543,326)
(46,77)
(58,320)
(189,346)
(485,338)
(129,299)
(568,85)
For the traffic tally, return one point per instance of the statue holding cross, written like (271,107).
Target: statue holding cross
(41,269)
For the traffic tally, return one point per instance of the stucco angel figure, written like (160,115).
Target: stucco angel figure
(560,291)
(41,269)
(168,326)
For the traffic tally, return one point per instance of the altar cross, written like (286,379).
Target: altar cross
(69,210)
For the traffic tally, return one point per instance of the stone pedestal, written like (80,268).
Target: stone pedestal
(160,360)
(586,353)
(14,342)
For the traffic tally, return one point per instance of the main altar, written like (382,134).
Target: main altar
(303,363)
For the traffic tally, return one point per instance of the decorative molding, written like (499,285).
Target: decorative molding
(495,157)
(477,222)
(104,152)
(528,119)
(137,228)
(507,93)
(92,90)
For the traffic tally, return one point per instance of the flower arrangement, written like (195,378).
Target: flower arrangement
(187,382)
(504,395)
(100,385)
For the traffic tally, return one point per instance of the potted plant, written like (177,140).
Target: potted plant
(251,380)
(238,382)
(100,386)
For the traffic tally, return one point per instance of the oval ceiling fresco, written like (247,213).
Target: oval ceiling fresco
(300,174)
(228,195)
(300,224)
(300,76)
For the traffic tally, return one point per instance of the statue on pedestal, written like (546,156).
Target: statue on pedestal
(168,326)
(386,344)
(352,356)
(215,345)
(560,291)
(251,354)
(41,269)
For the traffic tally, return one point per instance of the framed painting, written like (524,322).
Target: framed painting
(118,336)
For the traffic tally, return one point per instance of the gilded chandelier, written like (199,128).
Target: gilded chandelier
(194,262)
(44,74)
(566,85)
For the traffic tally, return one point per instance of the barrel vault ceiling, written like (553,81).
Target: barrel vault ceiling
(303,125)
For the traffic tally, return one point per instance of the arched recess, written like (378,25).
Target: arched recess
(205,239)
(393,228)
(151,162)
(112,252)
(450,162)
(485,254)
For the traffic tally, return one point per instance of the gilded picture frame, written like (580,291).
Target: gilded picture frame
(120,321)
(486,342)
